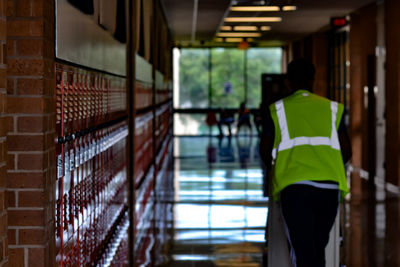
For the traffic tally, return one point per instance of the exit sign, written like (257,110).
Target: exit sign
(339,22)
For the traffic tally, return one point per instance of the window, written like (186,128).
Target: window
(192,91)
(227,79)
(212,78)
(259,61)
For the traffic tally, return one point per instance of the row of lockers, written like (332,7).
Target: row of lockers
(85,99)
(164,188)
(91,194)
(153,217)
(91,197)
(153,213)
(144,138)
(153,173)
(144,85)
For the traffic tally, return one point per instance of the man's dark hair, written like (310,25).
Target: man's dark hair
(300,71)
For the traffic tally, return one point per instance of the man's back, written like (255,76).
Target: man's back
(301,115)
(306,145)
(307,164)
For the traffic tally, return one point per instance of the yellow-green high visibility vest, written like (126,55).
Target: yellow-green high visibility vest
(306,145)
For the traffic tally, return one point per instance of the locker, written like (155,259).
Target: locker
(144,201)
(91,197)
(143,145)
(143,94)
(91,163)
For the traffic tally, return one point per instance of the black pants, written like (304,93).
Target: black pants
(309,213)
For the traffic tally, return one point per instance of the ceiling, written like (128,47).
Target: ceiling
(193,21)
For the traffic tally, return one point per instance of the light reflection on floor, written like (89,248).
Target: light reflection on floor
(220,212)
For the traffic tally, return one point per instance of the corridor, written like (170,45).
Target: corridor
(219,212)
(110,112)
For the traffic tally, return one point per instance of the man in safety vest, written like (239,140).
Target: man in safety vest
(305,145)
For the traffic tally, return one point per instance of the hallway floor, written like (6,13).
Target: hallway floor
(220,212)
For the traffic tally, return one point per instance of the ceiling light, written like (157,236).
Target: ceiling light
(233,40)
(219,39)
(226,28)
(265,28)
(289,8)
(255,8)
(253,19)
(245,28)
(238,34)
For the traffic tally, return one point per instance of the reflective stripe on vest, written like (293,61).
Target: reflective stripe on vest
(287,143)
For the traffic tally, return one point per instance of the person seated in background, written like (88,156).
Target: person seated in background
(225,118)
(211,119)
(244,117)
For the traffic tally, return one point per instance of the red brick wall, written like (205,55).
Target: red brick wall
(31,167)
(3,133)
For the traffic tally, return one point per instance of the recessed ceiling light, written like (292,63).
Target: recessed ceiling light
(265,28)
(233,40)
(253,19)
(245,28)
(289,8)
(238,34)
(255,8)
(226,28)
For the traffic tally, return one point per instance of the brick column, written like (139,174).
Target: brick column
(3,134)
(31,166)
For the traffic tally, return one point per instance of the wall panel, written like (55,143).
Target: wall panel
(392,92)
(81,40)
(362,45)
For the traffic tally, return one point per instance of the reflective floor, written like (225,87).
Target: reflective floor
(220,212)
(372,231)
